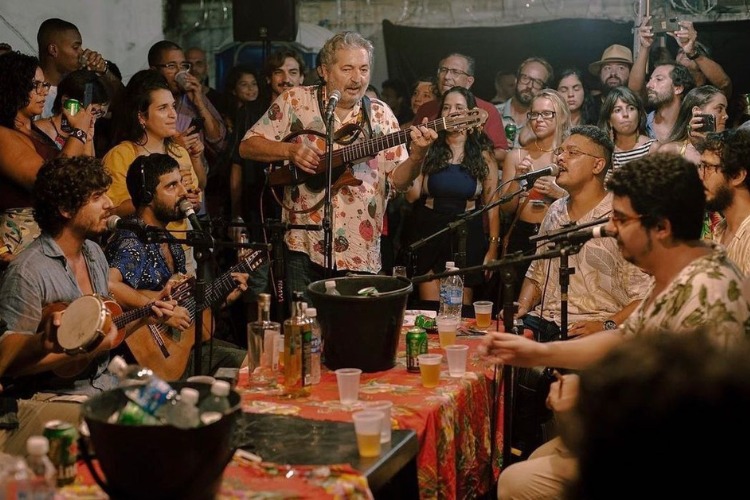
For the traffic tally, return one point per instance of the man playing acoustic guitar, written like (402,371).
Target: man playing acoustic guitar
(139,272)
(358,208)
(62,265)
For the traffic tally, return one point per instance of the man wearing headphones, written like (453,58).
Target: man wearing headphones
(139,271)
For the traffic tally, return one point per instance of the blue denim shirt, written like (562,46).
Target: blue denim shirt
(40,275)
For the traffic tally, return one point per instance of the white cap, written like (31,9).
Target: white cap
(220,388)
(449,264)
(189,395)
(37,445)
(117,365)
(311,312)
(330,283)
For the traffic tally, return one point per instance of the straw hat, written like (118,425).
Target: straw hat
(613,53)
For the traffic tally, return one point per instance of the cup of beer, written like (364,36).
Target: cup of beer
(483,314)
(446,326)
(367,425)
(429,369)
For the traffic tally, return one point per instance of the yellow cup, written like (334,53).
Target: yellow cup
(446,326)
(367,426)
(483,314)
(429,368)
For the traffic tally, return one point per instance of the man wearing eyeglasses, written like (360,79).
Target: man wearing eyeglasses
(457,70)
(532,76)
(195,113)
(726,176)
(657,216)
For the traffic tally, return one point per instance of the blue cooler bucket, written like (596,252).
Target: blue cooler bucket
(361,331)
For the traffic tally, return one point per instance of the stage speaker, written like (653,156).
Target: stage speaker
(265,20)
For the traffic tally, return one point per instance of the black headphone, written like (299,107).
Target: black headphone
(146,195)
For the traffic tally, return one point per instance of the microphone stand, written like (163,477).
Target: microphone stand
(328,206)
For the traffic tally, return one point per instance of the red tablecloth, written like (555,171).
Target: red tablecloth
(452,421)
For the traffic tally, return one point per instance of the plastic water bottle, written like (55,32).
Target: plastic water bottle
(43,474)
(129,375)
(183,412)
(218,400)
(451,293)
(149,396)
(331,288)
(316,346)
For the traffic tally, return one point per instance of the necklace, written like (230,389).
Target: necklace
(536,144)
(143,146)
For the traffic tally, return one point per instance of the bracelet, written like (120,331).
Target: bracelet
(495,240)
(693,57)
(79,134)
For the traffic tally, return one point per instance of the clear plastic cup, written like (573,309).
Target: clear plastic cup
(429,368)
(367,425)
(483,314)
(457,355)
(446,327)
(348,383)
(385,407)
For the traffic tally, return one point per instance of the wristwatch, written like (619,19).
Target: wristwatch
(610,325)
(693,57)
(79,134)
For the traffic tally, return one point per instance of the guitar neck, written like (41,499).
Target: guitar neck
(224,284)
(132,315)
(371,147)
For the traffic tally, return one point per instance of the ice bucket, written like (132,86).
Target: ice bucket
(361,331)
(158,461)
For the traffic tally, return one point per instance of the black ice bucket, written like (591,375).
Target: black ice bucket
(361,331)
(157,461)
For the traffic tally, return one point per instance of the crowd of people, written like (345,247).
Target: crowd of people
(648,153)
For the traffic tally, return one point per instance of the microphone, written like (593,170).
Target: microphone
(529,177)
(187,208)
(332,102)
(114,223)
(583,235)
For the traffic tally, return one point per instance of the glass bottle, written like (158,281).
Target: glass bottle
(297,342)
(316,347)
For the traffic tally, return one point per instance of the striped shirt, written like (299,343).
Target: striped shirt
(620,158)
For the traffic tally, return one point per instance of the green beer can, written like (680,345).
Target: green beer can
(73,106)
(416,344)
(63,449)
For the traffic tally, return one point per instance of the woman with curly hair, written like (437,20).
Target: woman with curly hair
(459,174)
(572,87)
(623,118)
(148,125)
(23,148)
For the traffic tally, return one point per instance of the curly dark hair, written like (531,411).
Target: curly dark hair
(588,108)
(439,153)
(733,148)
(234,75)
(73,86)
(598,137)
(663,186)
(144,173)
(17,72)
(66,183)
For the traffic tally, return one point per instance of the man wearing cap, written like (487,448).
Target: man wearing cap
(613,69)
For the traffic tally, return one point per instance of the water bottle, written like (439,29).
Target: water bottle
(183,412)
(217,401)
(316,346)
(129,375)
(149,398)
(451,293)
(17,480)
(43,474)
(331,288)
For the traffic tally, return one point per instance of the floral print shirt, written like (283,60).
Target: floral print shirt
(707,292)
(358,210)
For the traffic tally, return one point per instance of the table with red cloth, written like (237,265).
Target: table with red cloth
(452,421)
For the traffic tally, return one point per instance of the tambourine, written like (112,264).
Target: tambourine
(84,325)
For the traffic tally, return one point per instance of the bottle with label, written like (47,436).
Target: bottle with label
(261,343)
(316,346)
(297,343)
(331,288)
(183,412)
(129,375)
(147,403)
(43,474)
(451,293)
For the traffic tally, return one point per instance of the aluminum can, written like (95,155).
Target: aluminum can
(510,133)
(416,344)
(73,106)
(63,449)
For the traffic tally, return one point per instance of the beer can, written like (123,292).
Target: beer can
(63,449)
(510,132)
(416,344)
(73,106)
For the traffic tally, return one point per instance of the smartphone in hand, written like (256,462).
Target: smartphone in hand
(196,124)
(664,25)
(88,94)
(709,123)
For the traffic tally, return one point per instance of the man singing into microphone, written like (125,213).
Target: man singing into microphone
(140,271)
(357,214)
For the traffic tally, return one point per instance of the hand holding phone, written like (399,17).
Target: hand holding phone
(196,124)
(709,123)
(664,25)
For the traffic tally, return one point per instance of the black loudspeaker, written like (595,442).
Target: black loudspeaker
(261,20)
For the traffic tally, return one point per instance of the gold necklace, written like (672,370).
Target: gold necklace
(536,144)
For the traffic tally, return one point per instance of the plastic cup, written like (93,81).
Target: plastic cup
(181,79)
(429,368)
(367,425)
(483,314)
(446,326)
(457,355)
(385,427)
(348,382)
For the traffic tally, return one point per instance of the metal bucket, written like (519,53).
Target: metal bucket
(361,331)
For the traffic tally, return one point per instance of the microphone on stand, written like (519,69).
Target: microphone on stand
(333,101)
(187,208)
(114,223)
(528,178)
(583,235)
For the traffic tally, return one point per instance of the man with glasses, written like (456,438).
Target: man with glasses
(726,176)
(532,76)
(457,70)
(195,113)
(657,216)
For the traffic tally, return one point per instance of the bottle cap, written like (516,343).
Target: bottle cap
(220,388)
(37,445)
(311,312)
(330,283)
(117,365)
(450,264)
(189,395)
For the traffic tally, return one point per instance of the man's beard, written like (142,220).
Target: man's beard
(659,99)
(721,201)
(524,98)
(166,214)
